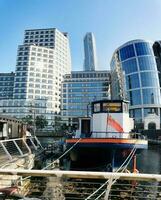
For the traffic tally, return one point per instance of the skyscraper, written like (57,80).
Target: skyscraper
(134,75)
(79,89)
(42,60)
(90,57)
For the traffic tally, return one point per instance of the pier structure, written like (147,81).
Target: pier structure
(16,151)
(84,185)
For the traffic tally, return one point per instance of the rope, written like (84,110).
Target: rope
(63,154)
(57,158)
(117,171)
(134,149)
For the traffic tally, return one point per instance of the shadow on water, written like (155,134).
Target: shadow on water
(149,161)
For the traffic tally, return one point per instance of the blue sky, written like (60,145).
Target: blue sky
(113,23)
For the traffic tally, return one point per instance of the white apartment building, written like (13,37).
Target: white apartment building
(42,61)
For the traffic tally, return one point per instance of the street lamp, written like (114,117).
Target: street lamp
(34,116)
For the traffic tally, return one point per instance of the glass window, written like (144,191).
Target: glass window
(150,110)
(97,107)
(112,107)
(129,66)
(151,96)
(132,81)
(137,115)
(143,48)
(134,97)
(149,79)
(127,52)
(147,63)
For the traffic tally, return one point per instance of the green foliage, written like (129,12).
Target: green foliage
(41,122)
(59,127)
(28,120)
(63,128)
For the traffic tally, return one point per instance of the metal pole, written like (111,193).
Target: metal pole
(34,122)
(6,151)
(88,109)
(21,153)
(108,188)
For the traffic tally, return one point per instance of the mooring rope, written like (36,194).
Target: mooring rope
(63,154)
(57,158)
(116,172)
(129,157)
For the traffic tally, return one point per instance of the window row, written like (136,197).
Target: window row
(148,79)
(150,96)
(142,48)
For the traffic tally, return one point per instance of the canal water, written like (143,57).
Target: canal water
(148,161)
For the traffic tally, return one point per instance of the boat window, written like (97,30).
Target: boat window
(97,107)
(112,107)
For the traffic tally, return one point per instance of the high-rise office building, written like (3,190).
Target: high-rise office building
(6,85)
(134,76)
(157,53)
(90,57)
(79,89)
(42,61)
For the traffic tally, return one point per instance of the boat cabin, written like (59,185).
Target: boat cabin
(110,118)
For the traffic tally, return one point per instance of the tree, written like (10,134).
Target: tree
(59,127)
(41,122)
(28,120)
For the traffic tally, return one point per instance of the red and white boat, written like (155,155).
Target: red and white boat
(105,140)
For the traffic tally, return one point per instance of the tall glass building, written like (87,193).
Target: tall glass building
(134,76)
(42,61)
(79,89)
(90,57)
(157,53)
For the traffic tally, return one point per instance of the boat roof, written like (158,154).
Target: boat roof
(110,101)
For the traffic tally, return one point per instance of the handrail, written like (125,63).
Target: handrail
(82,174)
(15,139)
(12,149)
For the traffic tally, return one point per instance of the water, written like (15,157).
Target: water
(148,161)
(47,140)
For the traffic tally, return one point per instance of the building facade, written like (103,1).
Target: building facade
(42,61)
(134,76)
(79,89)
(157,53)
(90,56)
(6,85)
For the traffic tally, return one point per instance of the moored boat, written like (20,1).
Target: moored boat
(104,141)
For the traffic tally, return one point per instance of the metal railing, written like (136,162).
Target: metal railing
(79,185)
(110,134)
(13,149)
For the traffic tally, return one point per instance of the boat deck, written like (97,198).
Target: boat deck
(109,142)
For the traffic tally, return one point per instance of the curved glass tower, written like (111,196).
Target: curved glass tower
(134,77)
(90,57)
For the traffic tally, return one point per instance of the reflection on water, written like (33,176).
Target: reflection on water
(149,161)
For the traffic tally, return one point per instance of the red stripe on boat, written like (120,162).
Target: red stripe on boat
(114,124)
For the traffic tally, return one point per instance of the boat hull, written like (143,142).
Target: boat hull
(101,154)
